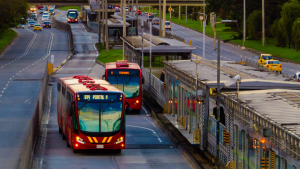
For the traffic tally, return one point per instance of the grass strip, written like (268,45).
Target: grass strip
(70,7)
(111,56)
(6,38)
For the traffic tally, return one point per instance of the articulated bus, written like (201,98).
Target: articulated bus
(72,15)
(127,77)
(90,113)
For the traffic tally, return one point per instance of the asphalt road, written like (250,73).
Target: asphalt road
(146,145)
(22,67)
(229,52)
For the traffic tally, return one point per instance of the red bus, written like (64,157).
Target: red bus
(127,77)
(72,15)
(90,113)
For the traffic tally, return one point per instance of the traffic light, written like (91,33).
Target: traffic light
(264,163)
(165,86)
(226,136)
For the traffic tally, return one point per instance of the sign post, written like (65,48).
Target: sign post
(170,10)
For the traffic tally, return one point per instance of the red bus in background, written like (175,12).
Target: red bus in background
(90,113)
(72,15)
(127,77)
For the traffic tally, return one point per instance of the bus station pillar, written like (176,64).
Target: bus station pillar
(164,18)
(185,14)
(159,10)
(179,12)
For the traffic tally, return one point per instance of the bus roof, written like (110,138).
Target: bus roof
(113,65)
(75,86)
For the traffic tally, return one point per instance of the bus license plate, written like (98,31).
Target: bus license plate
(100,146)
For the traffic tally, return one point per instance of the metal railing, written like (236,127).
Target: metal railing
(156,88)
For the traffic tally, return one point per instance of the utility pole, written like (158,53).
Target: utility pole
(164,18)
(218,103)
(102,25)
(150,55)
(170,12)
(99,28)
(185,14)
(160,24)
(132,9)
(142,44)
(204,25)
(263,22)
(106,27)
(124,25)
(179,12)
(137,18)
(244,38)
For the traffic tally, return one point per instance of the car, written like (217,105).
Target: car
(37,27)
(21,26)
(47,24)
(31,24)
(40,6)
(46,8)
(45,18)
(31,20)
(155,21)
(273,65)
(126,9)
(150,18)
(33,16)
(297,76)
(46,13)
(42,10)
(168,25)
(117,9)
(138,12)
(52,11)
(263,58)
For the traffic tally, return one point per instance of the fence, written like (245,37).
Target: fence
(64,27)
(32,135)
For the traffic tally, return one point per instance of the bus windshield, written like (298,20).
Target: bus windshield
(100,117)
(127,81)
(72,14)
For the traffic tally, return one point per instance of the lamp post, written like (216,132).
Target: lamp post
(204,25)
(214,27)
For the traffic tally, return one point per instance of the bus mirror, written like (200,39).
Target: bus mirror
(143,80)
(127,107)
(103,77)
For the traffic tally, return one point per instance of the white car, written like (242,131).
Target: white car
(297,76)
(168,25)
(45,18)
(46,14)
(31,24)
(126,9)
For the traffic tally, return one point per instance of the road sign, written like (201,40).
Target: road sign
(170,9)
(52,59)
(201,17)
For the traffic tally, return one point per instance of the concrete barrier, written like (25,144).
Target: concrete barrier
(27,152)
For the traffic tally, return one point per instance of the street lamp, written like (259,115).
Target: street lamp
(214,27)
(204,25)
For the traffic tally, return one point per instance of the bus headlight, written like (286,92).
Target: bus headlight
(119,140)
(79,140)
(75,19)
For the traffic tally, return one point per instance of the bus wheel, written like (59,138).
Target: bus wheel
(118,151)
(59,130)
(63,136)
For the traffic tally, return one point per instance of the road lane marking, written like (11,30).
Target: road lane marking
(145,129)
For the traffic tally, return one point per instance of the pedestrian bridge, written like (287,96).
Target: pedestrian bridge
(141,2)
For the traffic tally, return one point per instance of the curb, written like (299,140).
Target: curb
(64,62)
(9,43)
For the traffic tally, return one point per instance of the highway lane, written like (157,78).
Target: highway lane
(22,67)
(146,145)
(229,52)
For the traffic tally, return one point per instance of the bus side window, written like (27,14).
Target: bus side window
(58,87)
(63,91)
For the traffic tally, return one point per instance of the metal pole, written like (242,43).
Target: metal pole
(244,38)
(204,25)
(218,104)
(102,25)
(185,14)
(179,12)
(164,18)
(99,28)
(142,44)
(137,17)
(214,27)
(149,9)
(132,9)
(106,27)
(159,18)
(124,25)
(170,12)
(263,22)
(150,56)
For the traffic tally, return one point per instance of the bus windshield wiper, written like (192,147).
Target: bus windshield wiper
(86,102)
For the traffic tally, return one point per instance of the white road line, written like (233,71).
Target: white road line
(146,111)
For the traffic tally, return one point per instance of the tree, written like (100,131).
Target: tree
(254,24)
(280,41)
(290,12)
(12,12)
(296,34)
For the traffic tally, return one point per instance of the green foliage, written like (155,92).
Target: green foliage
(290,12)
(12,12)
(254,24)
(7,36)
(296,34)
(276,32)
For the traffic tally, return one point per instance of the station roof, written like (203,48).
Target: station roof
(208,75)
(120,16)
(115,22)
(159,44)
(278,105)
